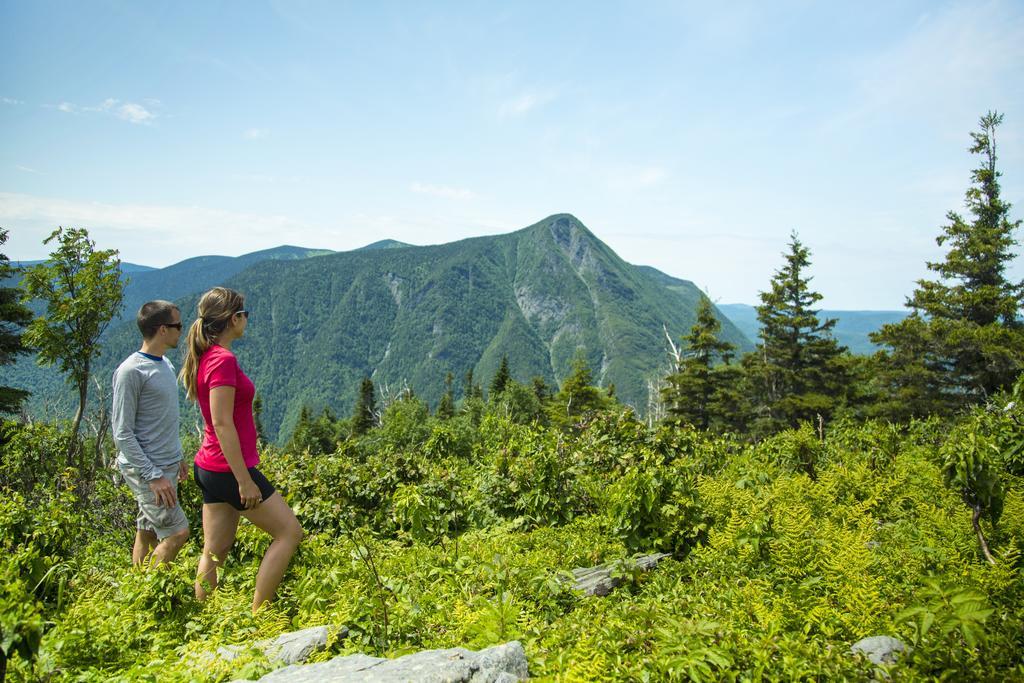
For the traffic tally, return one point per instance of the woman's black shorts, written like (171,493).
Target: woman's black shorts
(222,487)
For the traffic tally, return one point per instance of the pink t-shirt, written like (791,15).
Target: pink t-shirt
(219,368)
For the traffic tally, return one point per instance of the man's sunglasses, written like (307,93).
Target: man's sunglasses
(176,326)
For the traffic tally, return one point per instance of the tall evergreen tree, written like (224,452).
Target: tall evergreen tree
(695,393)
(795,372)
(364,416)
(14,316)
(964,339)
(471,389)
(446,407)
(577,395)
(501,378)
(540,389)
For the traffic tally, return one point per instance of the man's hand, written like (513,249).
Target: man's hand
(182,471)
(165,491)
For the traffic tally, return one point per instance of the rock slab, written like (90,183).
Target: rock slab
(288,648)
(499,664)
(880,649)
(599,581)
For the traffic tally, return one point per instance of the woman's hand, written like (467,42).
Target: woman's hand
(250,494)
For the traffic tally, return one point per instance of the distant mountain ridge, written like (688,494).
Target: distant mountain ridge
(198,274)
(851,330)
(412,314)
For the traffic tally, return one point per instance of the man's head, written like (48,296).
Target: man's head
(160,319)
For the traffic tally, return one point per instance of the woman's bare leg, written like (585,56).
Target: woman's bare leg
(277,519)
(220,524)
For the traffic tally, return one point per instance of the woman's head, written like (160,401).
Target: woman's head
(219,312)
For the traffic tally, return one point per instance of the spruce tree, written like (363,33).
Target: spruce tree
(470,389)
(795,372)
(364,416)
(501,378)
(14,316)
(446,407)
(540,389)
(577,395)
(963,340)
(695,393)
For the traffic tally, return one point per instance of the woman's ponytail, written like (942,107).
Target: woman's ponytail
(215,310)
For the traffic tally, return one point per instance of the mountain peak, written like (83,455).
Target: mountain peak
(383,244)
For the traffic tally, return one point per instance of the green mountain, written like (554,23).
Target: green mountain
(410,315)
(50,395)
(385,244)
(851,330)
(198,274)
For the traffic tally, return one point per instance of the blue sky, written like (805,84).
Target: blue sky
(689,138)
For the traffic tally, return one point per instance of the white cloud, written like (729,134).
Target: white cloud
(11,100)
(146,233)
(26,169)
(131,112)
(524,103)
(256,133)
(442,191)
(135,113)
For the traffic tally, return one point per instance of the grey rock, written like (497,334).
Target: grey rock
(599,581)
(880,649)
(288,648)
(499,664)
(295,647)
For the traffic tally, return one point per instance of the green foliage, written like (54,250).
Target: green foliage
(501,378)
(429,533)
(656,507)
(965,340)
(364,415)
(795,373)
(968,463)
(82,289)
(577,396)
(13,317)
(317,436)
(696,392)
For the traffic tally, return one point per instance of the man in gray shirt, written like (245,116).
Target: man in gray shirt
(145,427)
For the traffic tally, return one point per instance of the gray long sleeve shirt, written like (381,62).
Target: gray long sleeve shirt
(145,414)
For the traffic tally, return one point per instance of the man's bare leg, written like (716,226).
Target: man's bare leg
(145,541)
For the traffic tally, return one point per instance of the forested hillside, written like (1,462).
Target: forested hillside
(409,316)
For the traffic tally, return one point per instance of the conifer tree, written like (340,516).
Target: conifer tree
(541,389)
(470,389)
(446,407)
(13,317)
(578,395)
(364,416)
(795,372)
(964,339)
(695,393)
(501,378)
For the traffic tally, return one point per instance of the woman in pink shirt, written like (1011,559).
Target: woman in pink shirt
(225,466)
